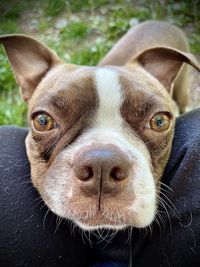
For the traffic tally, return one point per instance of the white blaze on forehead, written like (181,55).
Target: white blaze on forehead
(110,98)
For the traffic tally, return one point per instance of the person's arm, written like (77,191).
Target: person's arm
(30,235)
(177,242)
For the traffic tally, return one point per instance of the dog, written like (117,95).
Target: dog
(100,137)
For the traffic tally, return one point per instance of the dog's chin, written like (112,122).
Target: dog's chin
(97,220)
(96,223)
(88,227)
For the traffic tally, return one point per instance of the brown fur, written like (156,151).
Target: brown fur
(153,34)
(142,102)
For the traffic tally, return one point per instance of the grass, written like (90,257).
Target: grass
(81,32)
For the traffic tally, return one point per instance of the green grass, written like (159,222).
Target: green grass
(12,109)
(90,29)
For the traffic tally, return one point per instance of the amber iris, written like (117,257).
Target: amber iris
(160,122)
(43,122)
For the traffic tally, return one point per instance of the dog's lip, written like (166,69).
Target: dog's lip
(99,219)
(110,211)
(93,227)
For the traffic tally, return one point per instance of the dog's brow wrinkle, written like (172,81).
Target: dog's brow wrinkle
(139,104)
(59,102)
(37,138)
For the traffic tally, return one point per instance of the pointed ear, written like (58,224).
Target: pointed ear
(164,63)
(30,61)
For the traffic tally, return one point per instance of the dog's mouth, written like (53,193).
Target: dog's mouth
(100,220)
(106,214)
(114,213)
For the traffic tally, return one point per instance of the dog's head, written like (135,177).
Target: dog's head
(99,137)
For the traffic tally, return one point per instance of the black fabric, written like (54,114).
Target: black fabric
(28,234)
(178,245)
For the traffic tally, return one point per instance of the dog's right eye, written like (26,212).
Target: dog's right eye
(43,123)
(160,122)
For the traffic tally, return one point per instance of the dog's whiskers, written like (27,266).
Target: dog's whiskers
(49,209)
(167,186)
(39,200)
(170,204)
(167,204)
(160,221)
(58,222)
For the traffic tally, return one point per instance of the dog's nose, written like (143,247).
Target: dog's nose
(104,165)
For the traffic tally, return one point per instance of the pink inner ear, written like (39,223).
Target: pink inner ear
(28,70)
(28,65)
(163,63)
(165,71)
(30,60)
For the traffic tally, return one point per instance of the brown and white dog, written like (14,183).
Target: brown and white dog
(100,137)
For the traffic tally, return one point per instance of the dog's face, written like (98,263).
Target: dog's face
(98,144)
(100,136)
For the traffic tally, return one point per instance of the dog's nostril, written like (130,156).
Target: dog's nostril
(85,173)
(88,172)
(107,164)
(118,174)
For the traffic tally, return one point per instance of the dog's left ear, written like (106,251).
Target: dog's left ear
(30,61)
(164,63)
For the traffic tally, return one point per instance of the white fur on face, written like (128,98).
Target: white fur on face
(142,183)
(110,99)
(61,187)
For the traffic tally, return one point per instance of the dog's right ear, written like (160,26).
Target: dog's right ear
(30,61)
(164,63)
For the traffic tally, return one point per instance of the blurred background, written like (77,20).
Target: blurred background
(82,32)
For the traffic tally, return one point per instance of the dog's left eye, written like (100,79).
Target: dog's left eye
(43,122)
(160,122)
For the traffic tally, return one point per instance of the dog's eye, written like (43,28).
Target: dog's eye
(43,122)
(160,122)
